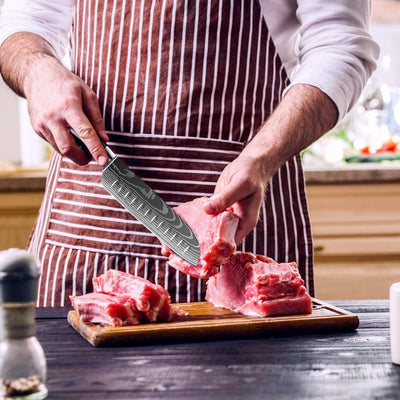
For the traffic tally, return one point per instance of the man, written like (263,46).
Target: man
(194,96)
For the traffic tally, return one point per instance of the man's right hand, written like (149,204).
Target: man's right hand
(57,99)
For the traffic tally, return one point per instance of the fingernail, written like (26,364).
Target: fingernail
(102,160)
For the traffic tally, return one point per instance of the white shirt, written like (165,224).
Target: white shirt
(324,43)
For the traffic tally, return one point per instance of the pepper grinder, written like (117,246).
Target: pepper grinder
(22,360)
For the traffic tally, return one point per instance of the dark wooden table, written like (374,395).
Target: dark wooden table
(352,365)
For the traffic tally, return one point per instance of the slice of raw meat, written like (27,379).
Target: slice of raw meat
(216,235)
(259,286)
(102,308)
(150,299)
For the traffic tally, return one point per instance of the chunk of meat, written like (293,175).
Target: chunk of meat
(216,236)
(102,308)
(151,299)
(256,285)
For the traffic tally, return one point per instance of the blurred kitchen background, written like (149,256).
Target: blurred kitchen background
(371,132)
(352,175)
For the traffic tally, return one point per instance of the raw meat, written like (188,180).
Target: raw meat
(152,300)
(216,235)
(101,308)
(259,286)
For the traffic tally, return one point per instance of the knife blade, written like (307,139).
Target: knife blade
(146,205)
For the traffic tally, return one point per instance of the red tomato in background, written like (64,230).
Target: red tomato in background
(365,151)
(388,146)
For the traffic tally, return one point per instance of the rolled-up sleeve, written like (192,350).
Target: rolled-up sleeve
(336,52)
(47,18)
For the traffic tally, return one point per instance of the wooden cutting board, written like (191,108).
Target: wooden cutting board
(206,322)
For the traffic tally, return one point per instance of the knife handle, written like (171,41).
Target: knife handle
(84,148)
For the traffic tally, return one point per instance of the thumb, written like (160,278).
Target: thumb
(220,202)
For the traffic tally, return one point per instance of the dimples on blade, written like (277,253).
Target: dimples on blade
(147,207)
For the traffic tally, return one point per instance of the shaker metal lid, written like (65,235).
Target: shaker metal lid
(19,272)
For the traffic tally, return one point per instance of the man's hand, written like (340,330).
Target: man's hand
(304,114)
(57,99)
(242,185)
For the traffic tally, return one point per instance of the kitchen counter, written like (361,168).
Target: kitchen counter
(23,181)
(352,365)
(35,180)
(354,173)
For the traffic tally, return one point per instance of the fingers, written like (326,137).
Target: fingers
(71,104)
(54,133)
(247,209)
(88,126)
(46,135)
(229,195)
(64,143)
(165,251)
(248,213)
(218,203)
(241,186)
(245,203)
(91,109)
(89,137)
(212,206)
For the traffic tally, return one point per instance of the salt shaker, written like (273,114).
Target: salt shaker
(395,322)
(22,360)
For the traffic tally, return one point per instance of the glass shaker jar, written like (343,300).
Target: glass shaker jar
(22,360)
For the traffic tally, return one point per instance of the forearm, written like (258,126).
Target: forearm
(20,56)
(304,115)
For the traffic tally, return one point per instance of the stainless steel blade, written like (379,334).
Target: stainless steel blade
(148,208)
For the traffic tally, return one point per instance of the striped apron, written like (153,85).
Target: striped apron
(182,85)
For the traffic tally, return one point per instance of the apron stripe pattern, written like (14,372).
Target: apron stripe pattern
(183,85)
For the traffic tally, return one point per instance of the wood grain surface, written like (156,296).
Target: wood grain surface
(205,322)
(354,365)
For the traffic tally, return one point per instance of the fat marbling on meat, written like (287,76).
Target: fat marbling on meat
(102,308)
(151,299)
(121,299)
(256,285)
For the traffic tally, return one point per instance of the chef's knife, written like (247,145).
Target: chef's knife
(146,206)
